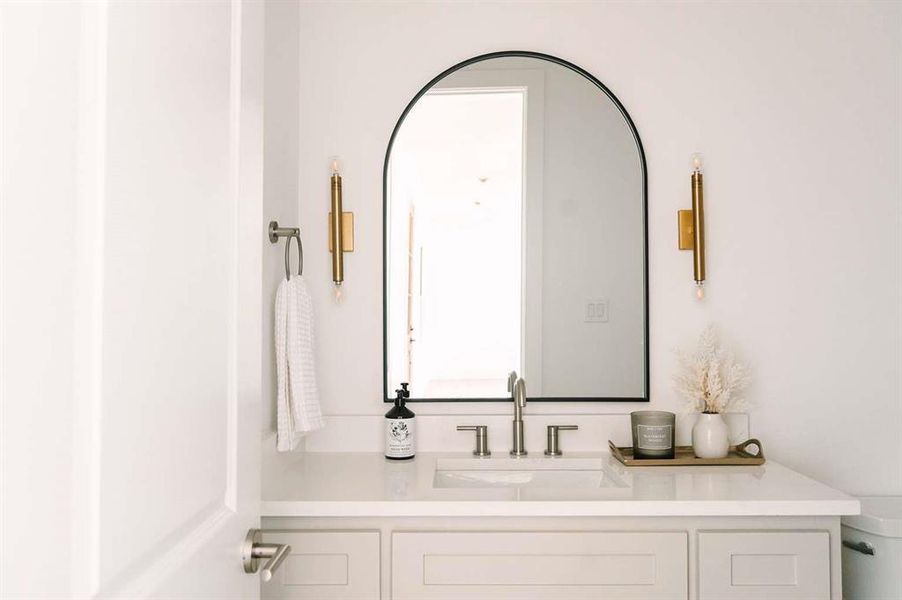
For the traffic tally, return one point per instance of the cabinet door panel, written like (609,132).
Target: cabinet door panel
(326,565)
(534,565)
(784,565)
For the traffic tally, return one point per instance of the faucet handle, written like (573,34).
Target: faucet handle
(482,438)
(554,448)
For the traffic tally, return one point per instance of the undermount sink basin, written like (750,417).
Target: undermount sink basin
(509,472)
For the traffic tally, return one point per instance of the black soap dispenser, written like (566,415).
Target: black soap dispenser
(400,428)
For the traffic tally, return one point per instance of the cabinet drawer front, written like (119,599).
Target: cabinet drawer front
(325,565)
(784,565)
(487,565)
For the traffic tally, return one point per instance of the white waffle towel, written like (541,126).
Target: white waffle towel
(298,410)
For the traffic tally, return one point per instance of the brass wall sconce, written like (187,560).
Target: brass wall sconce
(341,230)
(692,226)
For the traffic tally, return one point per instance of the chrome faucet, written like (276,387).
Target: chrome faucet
(519,395)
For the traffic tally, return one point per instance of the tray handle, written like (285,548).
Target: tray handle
(742,448)
(616,451)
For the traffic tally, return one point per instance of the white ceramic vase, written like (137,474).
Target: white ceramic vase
(710,436)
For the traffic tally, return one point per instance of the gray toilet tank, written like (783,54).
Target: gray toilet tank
(872,550)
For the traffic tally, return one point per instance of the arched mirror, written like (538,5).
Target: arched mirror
(516,237)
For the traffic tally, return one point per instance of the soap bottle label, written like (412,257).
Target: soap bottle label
(400,438)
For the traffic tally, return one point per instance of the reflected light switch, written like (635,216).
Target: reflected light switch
(596,310)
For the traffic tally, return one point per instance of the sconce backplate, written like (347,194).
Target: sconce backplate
(686,237)
(347,232)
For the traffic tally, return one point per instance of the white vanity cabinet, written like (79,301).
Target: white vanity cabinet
(364,528)
(598,558)
(585,565)
(326,565)
(763,564)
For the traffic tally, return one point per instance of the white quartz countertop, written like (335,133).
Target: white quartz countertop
(368,484)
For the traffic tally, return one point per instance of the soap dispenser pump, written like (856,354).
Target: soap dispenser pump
(400,428)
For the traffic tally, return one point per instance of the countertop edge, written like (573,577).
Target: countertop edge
(627,508)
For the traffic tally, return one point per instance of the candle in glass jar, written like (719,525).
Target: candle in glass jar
(653,433)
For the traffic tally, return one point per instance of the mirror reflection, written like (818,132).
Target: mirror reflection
(515,238)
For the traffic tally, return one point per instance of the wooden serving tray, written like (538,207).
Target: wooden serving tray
(684,456)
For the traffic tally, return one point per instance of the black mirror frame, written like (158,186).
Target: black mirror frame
(391,141)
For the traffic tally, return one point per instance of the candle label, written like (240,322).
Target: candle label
(655,437)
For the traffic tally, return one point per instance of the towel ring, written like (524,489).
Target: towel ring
(297,237)
(276,232)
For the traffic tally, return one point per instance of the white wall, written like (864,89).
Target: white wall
(797,109)
(280,171)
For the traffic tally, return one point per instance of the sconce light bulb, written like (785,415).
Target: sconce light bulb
(697,162)
(700,290)
(334,165)
(339,293)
